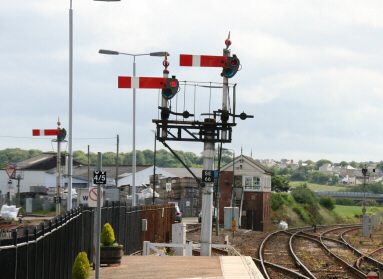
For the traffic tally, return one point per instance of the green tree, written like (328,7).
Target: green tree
(140,158)
(303,195)
(327,202)
(80,156)
(319,178)
(343,164)
(353,164)
(279,184)
(309,162)
(334,180)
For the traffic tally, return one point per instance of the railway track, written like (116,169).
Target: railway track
(302,253)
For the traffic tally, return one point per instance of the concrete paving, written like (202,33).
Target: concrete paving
(174,267)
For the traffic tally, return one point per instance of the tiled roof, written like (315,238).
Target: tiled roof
(267,170)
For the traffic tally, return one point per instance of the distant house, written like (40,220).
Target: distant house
(326,167)
(268,162)
(38,171)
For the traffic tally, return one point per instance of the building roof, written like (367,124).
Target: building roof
(44,161)
(267,170)
(183,172)
(251,161)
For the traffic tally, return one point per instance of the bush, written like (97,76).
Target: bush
(107,235)
(81,267)
(327,202)
(344,201)
(302,194)
(368,203)
(280,199)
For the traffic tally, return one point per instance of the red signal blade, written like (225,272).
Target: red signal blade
(202,60)
(141,82)
(45,132)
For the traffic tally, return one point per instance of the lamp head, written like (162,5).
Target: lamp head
(105,51)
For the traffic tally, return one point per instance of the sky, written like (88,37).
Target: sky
(311,73)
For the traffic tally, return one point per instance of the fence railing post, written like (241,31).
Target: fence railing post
(14,236)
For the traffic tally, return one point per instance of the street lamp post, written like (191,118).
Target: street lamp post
(112,52)
(70,136)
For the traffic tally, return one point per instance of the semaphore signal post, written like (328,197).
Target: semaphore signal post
(61,134)
(209,131)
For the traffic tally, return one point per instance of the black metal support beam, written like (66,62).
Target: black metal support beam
(182,162)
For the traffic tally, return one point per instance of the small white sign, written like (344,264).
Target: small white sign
(168,187)
(92,200)
(84,198)
(187,203)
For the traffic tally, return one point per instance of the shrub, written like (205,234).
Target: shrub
(280,199)
(368,203)
(81,267)
(327,202)
(107,235)
(302,194)
(344,201)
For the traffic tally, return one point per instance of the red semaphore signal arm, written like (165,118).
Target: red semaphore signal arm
(202,60)
(45,132)
(142,82)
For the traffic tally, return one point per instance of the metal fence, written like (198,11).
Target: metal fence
(48,250)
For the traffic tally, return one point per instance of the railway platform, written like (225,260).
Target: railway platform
(177,267)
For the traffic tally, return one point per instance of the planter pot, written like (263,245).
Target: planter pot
(111,254)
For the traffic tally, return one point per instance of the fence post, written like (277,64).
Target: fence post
(26,235)
(14,236)
(35,256)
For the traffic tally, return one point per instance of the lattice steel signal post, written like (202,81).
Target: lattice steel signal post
(209,131)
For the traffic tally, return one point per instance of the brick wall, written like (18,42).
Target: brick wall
(225,188)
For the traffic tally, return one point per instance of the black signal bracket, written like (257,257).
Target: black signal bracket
(195,131)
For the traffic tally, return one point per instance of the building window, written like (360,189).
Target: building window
(238,181)
(252,182)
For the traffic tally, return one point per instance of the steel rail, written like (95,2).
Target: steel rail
(351,268)
(364,257)
(284,269)
(306,270)
(285,231)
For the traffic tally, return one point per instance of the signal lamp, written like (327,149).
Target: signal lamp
(171,88)
(232,67)
(62,135)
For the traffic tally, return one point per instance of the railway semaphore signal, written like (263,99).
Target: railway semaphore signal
(61,135)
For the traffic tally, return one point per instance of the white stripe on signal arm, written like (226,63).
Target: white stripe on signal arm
(135,82)
(196,61)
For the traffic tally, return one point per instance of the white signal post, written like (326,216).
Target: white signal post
(208,153)
(53,132)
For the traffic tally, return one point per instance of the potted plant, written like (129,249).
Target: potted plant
(110,251)
(81,266)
